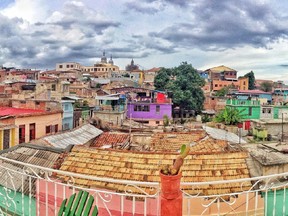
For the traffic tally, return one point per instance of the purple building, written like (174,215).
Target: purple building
(150,110)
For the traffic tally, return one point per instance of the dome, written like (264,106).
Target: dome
(111,61)
(103,58)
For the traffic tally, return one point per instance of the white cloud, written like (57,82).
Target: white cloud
(31,11)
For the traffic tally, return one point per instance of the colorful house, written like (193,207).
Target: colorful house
(28,124)
(68,110)
(150,110)
(7,135)
(110,108)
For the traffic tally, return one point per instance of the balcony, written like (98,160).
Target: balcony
(150,100)
(109,109)
(33,190)
(237,102)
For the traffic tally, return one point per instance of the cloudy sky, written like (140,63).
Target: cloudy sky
(242,34)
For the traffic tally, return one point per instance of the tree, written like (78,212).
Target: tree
(251,81)
(229,116)
(266,86)
(162,78)
(224,91)
(185,83)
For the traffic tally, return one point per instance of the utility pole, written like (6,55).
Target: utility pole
(282,137)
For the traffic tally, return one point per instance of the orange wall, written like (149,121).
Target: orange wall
(241,84)
(40,121)
(219,84)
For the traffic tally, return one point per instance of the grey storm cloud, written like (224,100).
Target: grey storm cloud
(149,6)
(218,25)
(140,7)
(71,36)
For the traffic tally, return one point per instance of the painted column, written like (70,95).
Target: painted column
(171,196)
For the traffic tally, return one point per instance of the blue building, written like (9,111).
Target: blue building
(203,74)
(256,94)
(68,111)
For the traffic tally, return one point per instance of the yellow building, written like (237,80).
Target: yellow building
(23,125)
(102,69)
(7,136)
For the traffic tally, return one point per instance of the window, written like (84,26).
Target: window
(66,126)
(216,85)
(32,131)
(21,133)
(66,107)
(157,108)
(67,66)
(137,108)
(23,102)
(48,129)
(141,108)
(250,111)
(71,66)
(37,103)
(53,87)
(60,66)
(146,108)
(56,128)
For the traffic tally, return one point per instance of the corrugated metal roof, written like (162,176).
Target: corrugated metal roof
(31,155)
(79,136)
(223,135)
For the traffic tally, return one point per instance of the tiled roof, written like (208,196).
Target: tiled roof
(137,166)
(108,138)
(4,111)
(172,141)
(219,69)
(209,145)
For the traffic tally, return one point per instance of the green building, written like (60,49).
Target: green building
(253,109)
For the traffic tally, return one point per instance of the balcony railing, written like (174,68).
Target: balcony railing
(109,108)
(243,102)
(33,190)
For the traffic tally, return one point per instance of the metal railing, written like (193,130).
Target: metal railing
(33,190)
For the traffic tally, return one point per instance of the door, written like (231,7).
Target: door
(6,140)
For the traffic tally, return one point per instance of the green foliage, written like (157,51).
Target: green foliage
(77,104)
(166,120)
(224,91)
(185,83)
(266,86)
(126,75)
(85,103)
(251,77)
(206,118)
(162,79)
(98,85)
(229,116)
